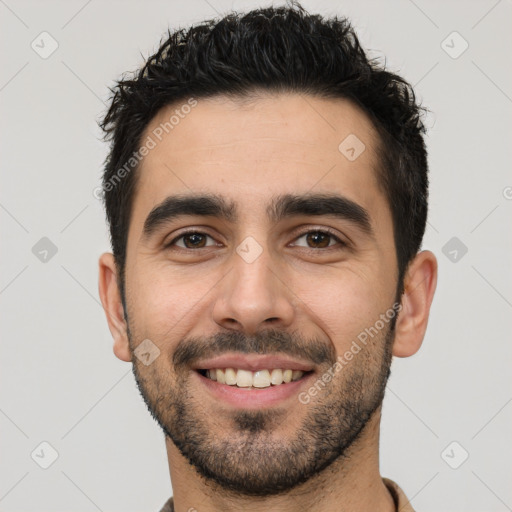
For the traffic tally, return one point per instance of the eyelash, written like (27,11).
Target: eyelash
(324,231)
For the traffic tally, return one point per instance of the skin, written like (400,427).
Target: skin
(250,152)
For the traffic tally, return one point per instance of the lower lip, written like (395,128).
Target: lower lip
(254,398)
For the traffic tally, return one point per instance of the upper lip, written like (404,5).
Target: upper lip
(253,363)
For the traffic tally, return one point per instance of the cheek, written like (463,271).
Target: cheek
(343,307)
(163,303)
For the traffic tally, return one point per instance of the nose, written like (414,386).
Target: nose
(253,297)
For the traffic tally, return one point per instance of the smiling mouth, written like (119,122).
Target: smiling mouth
(259,379)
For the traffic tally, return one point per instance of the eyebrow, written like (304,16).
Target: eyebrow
(281,207)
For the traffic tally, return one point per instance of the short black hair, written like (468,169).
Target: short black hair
(274,49)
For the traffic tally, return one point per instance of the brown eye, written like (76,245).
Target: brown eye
(191,240)
(194,240)
(319,239)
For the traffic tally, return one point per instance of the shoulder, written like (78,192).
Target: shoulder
(401,501)
(168,506)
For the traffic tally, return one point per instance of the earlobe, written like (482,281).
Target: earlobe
(419,287)
(111,299)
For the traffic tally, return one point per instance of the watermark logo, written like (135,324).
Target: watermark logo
(455,455)
(352,147)
(44,45)
(44,250)
(454,249)
(146,352)
(454,45)
(44,455)
(249,250)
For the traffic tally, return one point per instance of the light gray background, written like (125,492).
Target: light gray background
(60,381)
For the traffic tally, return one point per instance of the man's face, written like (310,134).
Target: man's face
(270,285)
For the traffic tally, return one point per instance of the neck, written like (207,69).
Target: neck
(352,483)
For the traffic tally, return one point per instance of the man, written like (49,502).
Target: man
(266,191)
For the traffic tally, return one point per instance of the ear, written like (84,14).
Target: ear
(419,287)
(111,299)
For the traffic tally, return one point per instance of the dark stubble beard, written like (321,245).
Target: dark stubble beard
(248,460)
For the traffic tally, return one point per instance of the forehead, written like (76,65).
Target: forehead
(253,151)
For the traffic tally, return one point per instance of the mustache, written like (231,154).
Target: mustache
(190,350)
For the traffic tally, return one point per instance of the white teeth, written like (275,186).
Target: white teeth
(296,374)
(243,379)
(221,377)
(276,377)
(261,379)
(230,376)
(257,379)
